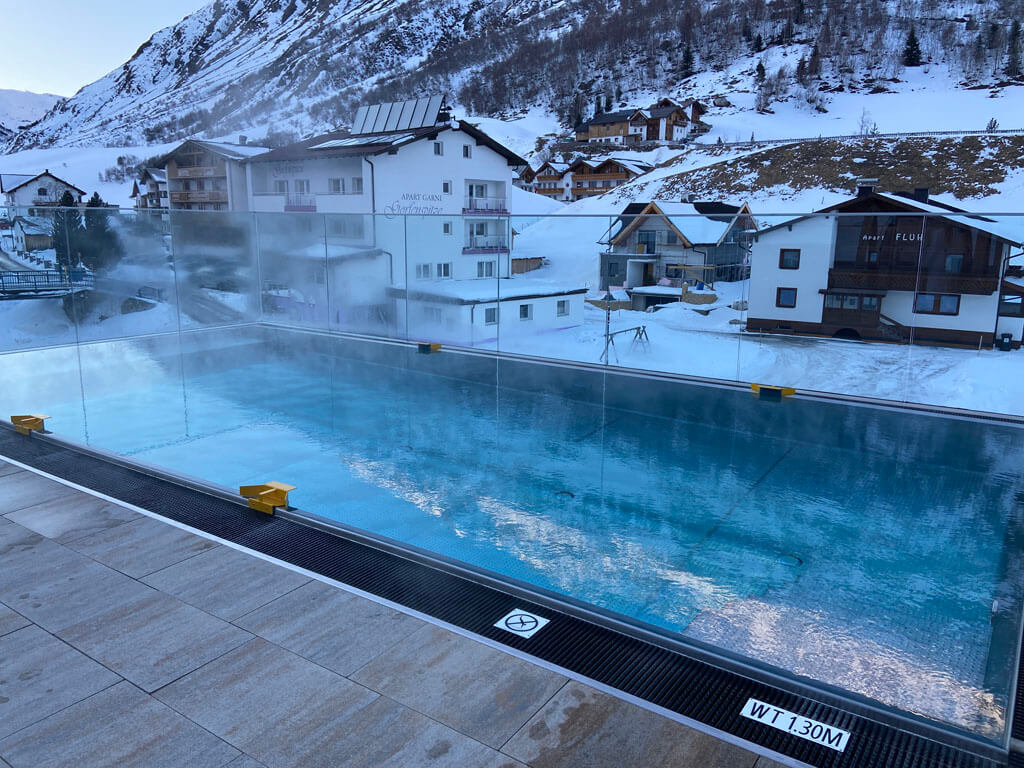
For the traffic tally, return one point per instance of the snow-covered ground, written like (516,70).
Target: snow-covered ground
(19,108)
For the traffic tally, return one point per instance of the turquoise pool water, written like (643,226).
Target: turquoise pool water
(862,548)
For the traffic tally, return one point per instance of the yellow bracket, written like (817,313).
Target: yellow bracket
(266,496)
(768,392)
(426,348)
(29,423)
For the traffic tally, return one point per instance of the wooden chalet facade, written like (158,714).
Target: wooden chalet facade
(665,121)
(589,178)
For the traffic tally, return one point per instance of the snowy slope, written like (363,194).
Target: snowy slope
(18,108)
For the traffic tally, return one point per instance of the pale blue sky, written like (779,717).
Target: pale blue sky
(57,46)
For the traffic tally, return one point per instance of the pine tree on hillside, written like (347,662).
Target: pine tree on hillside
(1012,68)
(814,63)
(758,43)
(597,105)
(912,51)
(759,73)
(687,68)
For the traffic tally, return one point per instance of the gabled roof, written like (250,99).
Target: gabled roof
(35,225)
(637,167)
(558,168)
(30,179)
(159,175)
(231,151)
(604,118)
(691,224)
(346,144)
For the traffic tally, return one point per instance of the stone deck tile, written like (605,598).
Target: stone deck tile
(142,546)
(11,620)
(155,640)
(226,582)
(40,675)
(329,626)
(764,762)
(244,761)
(9,469)
(582,726)
(120,727)
(73,517)
(25,489)
(476,690)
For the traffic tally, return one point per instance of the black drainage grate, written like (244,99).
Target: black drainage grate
(670,679)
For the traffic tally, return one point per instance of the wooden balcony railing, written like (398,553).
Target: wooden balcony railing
(200,196)
(929,282)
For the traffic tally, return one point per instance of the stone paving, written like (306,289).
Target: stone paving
(127,641)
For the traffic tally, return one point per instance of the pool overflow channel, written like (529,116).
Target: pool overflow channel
(821,728)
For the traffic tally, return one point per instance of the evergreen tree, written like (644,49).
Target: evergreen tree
(759,73)
(1012,68)
(758,43)
(814,63)
(912,51)
(597,105)
(798,14)
(801,71)
(101,248)
(67,231)
(687,69)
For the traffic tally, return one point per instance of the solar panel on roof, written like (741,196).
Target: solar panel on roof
(406,115)
(357,124)
(382,117)
(418,111)
(432,109)
(371,117)
(393,115)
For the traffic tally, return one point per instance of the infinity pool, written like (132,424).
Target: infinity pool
(874,550)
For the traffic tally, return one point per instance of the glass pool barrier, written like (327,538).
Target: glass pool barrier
(848,541)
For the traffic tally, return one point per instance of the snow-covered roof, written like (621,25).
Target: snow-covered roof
(657,290)
(29,179)
(159,175)
(234,151)
(636,166)
(10,180)
(943,210)
(692,224)
(488,291)
(35,225)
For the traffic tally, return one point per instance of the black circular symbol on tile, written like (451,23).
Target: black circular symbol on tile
(520,622)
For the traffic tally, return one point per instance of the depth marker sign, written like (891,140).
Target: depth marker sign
(798,725)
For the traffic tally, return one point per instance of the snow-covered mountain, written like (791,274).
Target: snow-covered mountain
(295,66)
(19,108)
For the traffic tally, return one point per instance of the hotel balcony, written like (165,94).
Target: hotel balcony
(557,191)
(929,282)
(300,203)
(485,205)
(197,172)
(200,196)
(486,244)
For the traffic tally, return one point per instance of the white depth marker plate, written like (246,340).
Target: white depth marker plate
(522,623)
(798,725)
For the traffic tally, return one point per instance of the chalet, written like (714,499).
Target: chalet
(525,180)
(894,267)
(32,233)
(427,194)
(209,175)
(664,121)
(554,180)
(150,189)
(590,177)
(656,249)
(25,192)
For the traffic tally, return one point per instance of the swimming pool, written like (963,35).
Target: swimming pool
(870,549)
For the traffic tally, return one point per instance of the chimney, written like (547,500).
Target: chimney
(243,140)
(921,194)
(866,187)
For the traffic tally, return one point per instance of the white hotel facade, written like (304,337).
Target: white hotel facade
(417,221)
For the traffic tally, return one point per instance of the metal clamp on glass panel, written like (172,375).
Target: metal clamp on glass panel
(29,423)
(426,348)
(266,496)
(768,392)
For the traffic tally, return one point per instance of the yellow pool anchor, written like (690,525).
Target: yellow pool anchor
(266,496)
(769,392)
(27,423)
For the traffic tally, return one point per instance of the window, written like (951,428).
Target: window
(302,186)
(357,185)
(438,148)
(491,315)
(613,268)
(478,228)
(444,270)
(525,311)
(937,304)
(422,271)
(833,301)
(851,302)
(670,238)
(280,186)
(869,303)
(432,314)
(563,307)
(789,258)
(446,227)
(446,187)
(42,192)
(467,150)
(336,186)
(478,190)
(954,263)
(785,298)
(485,269)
